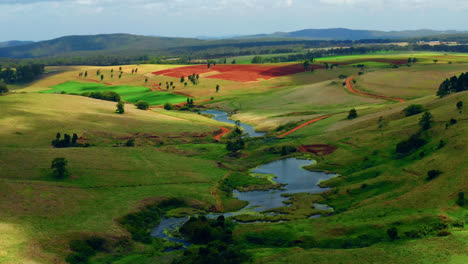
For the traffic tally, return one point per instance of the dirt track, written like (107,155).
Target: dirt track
(303,125)
(349,85)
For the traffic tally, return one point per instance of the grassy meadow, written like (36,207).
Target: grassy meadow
(175,155)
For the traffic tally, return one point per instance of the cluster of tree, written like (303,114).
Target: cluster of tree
(194,78)
(453,85)
(190,103)
(106,95)
(84,249)
(67,141)
(411,144)
(21,73)
(216,237)
(236,142)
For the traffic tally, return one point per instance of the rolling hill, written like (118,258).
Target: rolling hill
(110,43)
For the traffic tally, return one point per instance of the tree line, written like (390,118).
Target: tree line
(21,73)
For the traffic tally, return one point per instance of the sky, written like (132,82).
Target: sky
(47,19)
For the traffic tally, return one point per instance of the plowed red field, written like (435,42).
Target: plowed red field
(237,73)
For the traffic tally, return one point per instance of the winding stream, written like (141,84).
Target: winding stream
(288,171)
(222,116)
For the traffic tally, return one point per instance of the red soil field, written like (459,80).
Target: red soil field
(237,73)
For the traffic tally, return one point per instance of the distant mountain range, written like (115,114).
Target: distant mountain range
(350,34)
(13,43)
(127,44)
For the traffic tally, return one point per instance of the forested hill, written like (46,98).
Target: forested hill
(111,43)
(350,34)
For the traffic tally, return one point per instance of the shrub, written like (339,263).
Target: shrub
(352,114)
(392,233)
(432,174)
(459,105)
(413,110)
(143,105)
(453,122)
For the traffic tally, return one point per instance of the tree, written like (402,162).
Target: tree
(182,79)
(306,65)
(120,76)
(326,66)
(146,80)
(461,199)
(98,72)
(392,233)
(142,105)
(86,74)
(74,139)
(130,143)
(112,70)
(102,77)
(217,88)
(352,114)
(409,60)
(235,145)
(120,108)
(120,68)
(233,62)
(414,60)
(3,88)
(185,84)
(426,121)
(136,70)
(59,168)
(133,71)
(435,61)
(209,64)
(459,105)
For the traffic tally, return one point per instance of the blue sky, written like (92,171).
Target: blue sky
(47,19)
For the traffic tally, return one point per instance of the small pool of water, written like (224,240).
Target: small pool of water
(222,116)
(288,171)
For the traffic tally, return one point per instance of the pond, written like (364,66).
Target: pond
(287,171)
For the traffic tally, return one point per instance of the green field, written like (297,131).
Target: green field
(176,156)
(128,93)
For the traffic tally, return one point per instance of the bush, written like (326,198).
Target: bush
(413,110)
(410,145)
(392,233)
(167,106)
(352,114)
(432,174)
(143,105)
(426,121)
